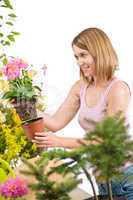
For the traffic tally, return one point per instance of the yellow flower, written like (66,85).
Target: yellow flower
(2,117)
(32,73)
(4,86)
(16,117)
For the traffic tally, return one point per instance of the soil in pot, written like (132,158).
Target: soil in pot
(26,109)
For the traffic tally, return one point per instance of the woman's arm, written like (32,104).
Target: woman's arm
(66,111)
(118,98)
(48,139)
(61,118)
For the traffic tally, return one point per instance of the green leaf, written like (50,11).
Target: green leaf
(2,55)
(12,15)
(9,23)
(1,17)
(1,35)
(11,38)
(15,33)
(6,43)
(4,61)
(38,88)
(7,4)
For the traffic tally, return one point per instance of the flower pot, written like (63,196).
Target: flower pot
(32,126)
(121,197)
(26,109)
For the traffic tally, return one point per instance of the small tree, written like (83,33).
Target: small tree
(106,158)
(44,186)
(113,150)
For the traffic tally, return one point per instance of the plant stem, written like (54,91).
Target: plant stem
(91,182)
(109,189)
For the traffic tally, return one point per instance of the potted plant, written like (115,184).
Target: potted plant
(22,93)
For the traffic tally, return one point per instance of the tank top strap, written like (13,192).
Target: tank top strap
(82,91)
(107,90)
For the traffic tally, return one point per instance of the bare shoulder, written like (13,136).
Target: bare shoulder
(75,89)
(120,88)
(118,98)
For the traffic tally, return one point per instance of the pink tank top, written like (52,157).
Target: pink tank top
(96,113)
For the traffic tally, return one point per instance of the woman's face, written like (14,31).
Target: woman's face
(85,61)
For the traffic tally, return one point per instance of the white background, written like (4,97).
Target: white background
(47,28)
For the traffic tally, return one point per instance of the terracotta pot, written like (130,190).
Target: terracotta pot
(32,126)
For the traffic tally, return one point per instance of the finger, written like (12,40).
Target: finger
(44,145)
(42,142)
(41,134)
(38,141)
(41,138)
(41,146)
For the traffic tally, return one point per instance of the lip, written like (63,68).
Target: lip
(85,67)
(85,70)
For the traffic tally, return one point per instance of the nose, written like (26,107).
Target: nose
(80,62)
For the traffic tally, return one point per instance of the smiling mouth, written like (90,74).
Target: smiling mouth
(86,68)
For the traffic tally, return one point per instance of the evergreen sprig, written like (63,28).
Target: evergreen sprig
(46,188)
(114,150)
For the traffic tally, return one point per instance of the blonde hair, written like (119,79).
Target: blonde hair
(99,46)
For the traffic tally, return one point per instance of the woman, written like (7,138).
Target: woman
(97,94)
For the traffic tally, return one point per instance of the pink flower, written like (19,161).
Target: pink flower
(11,71)
(14,188)
(13,68)
(19,62)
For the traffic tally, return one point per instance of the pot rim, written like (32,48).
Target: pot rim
(28,121)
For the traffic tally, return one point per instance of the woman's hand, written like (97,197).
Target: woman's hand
(47,139)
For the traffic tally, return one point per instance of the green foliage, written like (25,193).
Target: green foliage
(106,149)
(13,140)
(46,188)
(114,150)
(5,171)
(6,4)
(7,20)
(22,88)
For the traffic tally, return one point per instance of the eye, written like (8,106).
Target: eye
(76,57)
(83,55)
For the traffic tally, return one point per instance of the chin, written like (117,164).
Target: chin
(87,75)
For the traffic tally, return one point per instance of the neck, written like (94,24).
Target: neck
(100,83)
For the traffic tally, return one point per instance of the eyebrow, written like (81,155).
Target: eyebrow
(83,52)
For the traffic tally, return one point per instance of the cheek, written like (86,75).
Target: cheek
(91,61)
(92,71)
